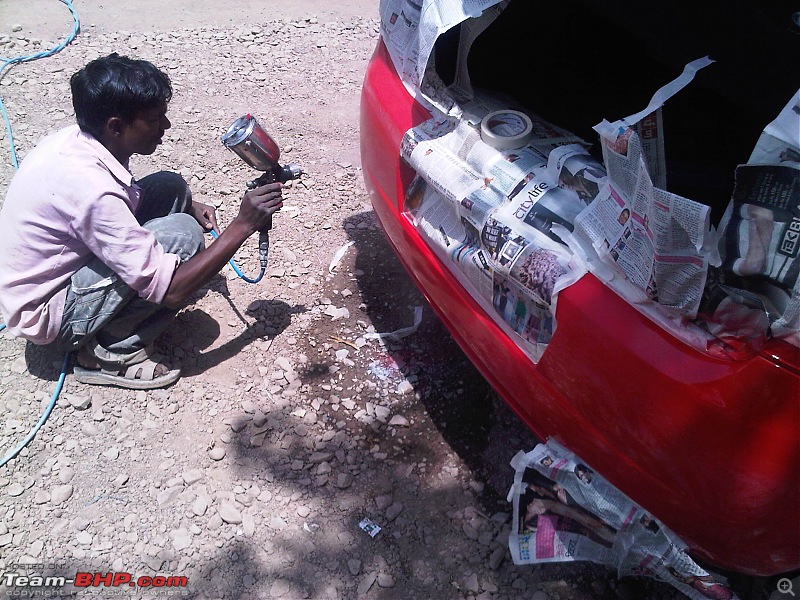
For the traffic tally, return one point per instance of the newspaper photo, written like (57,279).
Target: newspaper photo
(755,292)
(565,511)
(514,277)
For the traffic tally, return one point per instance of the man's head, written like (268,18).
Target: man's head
(111,93)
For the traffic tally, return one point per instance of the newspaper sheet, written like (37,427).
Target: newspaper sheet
(564,511)
(409,28)
(658,240)
(495,217)
(515,278)
(756,291)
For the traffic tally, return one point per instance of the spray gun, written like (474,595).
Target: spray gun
(253,145)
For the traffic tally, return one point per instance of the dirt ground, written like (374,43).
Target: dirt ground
(291,425)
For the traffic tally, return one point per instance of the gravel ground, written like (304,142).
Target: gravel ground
(250,476)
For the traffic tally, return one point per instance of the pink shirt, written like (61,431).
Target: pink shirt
(70,200)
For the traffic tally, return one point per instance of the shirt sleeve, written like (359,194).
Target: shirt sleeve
(109,229)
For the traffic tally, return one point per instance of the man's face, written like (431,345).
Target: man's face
(144,133)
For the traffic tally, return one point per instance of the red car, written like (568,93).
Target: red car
(707,443)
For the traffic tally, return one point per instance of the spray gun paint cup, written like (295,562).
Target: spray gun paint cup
(248,140)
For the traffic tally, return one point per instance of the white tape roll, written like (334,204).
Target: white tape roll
(506,129)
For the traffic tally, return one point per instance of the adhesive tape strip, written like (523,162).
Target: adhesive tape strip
(506,129)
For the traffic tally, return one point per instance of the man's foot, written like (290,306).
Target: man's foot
(149,374)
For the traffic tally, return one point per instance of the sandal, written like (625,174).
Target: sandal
(140,376)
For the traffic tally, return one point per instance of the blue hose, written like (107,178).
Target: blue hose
(45,414)
(6,63)
(238,271)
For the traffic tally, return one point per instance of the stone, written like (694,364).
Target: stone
(181,539)
(61,493)
(366,583)
(229,513)
(14,490)
(216,453)
(354,566)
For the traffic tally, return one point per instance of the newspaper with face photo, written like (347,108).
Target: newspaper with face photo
(755,292)
(565,511)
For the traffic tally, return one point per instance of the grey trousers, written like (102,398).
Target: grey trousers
(102,313)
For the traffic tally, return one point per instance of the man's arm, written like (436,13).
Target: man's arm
(255,214)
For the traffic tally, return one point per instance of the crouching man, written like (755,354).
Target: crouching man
(95,261)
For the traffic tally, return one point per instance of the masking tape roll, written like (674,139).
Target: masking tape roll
(506,129)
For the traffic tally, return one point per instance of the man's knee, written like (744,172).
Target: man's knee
(163,193)
(179,234)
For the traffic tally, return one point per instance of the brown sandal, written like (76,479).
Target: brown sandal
(140,376)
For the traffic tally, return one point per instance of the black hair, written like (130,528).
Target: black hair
(116,86)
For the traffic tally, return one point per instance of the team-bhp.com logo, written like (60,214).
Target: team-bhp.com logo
(20,585)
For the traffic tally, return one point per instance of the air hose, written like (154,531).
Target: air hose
(263,251)
(6,63)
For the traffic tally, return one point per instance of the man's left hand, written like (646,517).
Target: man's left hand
(206,215)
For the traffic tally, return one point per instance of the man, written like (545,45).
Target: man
(91,260)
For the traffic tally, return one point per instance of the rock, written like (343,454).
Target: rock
(366,583)
(393,511)
(61,494)
(344,480)
(229,513)
(280,588)
(41,497)
(181,539)
(385,580)
(192,476)
(167,496)
(66,474)
(383,502)
(79,402)
(496,558)
(216,453)
(14,490)
(199,506)
(470,583)
(354,565)
(404,387)
(84,538)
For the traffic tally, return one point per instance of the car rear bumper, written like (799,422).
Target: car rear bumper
(711,447)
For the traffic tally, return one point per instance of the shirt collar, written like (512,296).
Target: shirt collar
(118,170)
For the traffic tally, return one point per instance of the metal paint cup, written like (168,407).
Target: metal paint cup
(252,144)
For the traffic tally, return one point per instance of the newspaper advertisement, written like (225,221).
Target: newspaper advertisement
(495,217)
(756,293)
(410,29)
(565,511)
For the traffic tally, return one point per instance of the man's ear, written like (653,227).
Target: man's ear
(114,126)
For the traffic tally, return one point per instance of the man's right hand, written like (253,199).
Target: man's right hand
(259,204)
(255,214)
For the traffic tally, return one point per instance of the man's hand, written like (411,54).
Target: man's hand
(259,204)
(205,215)
(255,214)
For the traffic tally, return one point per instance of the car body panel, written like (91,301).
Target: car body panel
(710,446)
